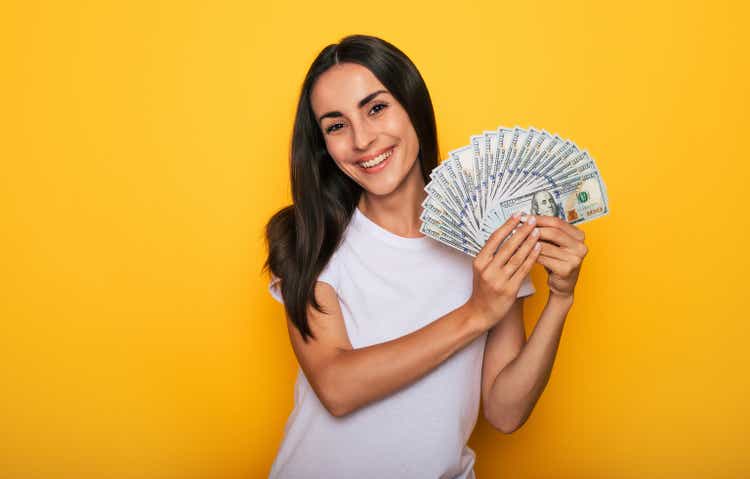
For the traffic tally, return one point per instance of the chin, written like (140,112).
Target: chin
(380,189)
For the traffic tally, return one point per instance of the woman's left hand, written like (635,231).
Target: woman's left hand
(562,253)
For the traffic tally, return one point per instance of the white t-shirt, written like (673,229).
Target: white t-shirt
(389,286)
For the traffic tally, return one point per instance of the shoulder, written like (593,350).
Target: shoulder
(329,274)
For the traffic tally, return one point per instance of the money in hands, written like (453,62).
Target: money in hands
(479,186)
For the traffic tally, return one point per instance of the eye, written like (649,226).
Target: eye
(333,127)
(378,107)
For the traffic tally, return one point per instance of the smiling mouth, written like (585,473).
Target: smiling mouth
(377,160)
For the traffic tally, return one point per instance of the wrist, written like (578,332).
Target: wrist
(564,301)
(475,317)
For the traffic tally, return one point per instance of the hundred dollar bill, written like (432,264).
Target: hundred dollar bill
(433,210)
(582,163)
(436,205)
(504,139)
(492,140)
(452,174)
(448,228)
(436,234)
(575,202)
(525,146)
(444,201)
(443,185)
(530,160)
(476,142)
(507,150)
(489,149)
(548,171)
(468,167)
(504,170)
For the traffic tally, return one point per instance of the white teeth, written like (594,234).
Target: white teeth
(377,160)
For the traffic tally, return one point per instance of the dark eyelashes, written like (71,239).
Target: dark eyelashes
(377,105)
(332,127)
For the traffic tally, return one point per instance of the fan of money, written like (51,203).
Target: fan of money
(479,186)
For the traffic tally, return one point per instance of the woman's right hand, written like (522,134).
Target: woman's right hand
(498,272)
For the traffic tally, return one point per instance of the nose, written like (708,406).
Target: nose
(363,135)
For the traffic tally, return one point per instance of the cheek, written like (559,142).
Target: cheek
(396,123)
(400,125)
(336,148)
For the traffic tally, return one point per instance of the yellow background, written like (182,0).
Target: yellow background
(144,147)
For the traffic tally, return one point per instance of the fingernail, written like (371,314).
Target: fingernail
(537,246)
(535,233)
(523,218)
(532,221)
(517,214)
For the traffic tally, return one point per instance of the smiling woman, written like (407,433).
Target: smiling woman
(370,136)
(396,335)
(345,83)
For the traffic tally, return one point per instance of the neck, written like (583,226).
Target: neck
(398,211)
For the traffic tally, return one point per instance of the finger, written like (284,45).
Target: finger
(525,267)
(561,267)
(509,247)
(520,255)
(555,222)
(553,265)
(552,250)
(488,250)
(558,237)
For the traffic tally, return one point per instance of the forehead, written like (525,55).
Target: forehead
(341,87)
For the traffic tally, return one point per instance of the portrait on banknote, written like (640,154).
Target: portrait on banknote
(543,203)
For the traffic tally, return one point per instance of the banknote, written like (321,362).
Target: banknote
(505,170)
(480,161)
(580,200)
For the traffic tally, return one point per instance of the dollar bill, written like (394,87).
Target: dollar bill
(501,171)
(576,202)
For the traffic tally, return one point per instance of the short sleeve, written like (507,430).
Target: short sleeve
(274,287)
(328,275)
(527,287)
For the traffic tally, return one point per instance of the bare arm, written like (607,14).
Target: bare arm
(524,367)
(512,395)
(346,379)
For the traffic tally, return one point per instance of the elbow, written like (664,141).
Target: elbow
(339,408)
(338,412)
(510,429)
(503,425)
(335,408)
(333,398)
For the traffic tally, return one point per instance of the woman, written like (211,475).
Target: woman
(396,334)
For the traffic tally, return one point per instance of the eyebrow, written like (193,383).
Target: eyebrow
(364,101)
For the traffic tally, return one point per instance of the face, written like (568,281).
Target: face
(367,132)
(545,204)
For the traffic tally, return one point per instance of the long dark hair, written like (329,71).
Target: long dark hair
(302,237)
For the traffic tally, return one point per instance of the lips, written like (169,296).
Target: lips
(374,155)
(377,161)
